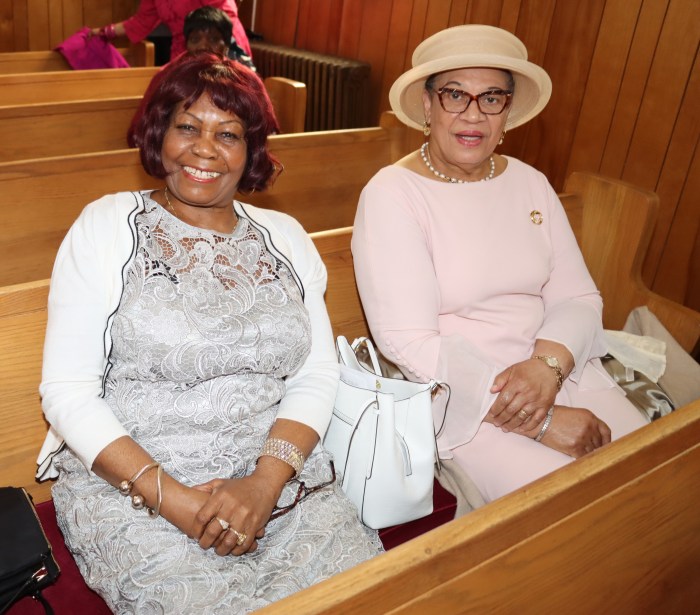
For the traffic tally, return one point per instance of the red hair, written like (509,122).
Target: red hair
(232,87)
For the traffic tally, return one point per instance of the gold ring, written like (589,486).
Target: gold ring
(223,523)
(240,537)
(523,415)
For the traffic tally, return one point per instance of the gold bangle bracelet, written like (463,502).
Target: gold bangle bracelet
(137,500)
(126,486)
(284,451)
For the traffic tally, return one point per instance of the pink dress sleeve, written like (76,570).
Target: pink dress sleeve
(143,22)
(573,306)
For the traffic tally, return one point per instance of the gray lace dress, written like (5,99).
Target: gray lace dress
(208,328)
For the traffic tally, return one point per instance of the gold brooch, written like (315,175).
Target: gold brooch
(536,217)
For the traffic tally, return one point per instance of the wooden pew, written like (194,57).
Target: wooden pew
(614,532)
(11,62)
(617,531)
(72,85)
(613,222)
(55,190)
(44,130)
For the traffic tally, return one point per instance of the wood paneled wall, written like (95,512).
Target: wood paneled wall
(626,93)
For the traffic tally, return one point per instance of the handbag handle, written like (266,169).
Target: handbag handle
(353,431)
(370,350)
(435,386)
(346,354)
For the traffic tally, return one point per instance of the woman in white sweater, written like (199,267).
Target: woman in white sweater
(189,370)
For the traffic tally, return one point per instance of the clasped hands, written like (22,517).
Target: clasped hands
(526,392)
(229,515)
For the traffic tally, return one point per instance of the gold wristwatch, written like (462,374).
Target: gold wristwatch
(553,363)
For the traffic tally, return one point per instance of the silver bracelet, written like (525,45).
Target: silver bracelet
(545,425)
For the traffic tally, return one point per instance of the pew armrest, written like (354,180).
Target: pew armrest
(289,101)
(140,54)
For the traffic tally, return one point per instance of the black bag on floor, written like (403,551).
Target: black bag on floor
(27,564)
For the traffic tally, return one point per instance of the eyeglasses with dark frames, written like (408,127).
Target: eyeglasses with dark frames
(302,492)
(490,102)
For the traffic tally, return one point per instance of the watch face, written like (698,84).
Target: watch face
(551,361)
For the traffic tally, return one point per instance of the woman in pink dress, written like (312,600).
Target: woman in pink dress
(172,13)
(469,271)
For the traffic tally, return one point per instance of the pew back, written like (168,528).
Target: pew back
(22,328)
(11,62)
(614,229)
(44,130)
(63,86)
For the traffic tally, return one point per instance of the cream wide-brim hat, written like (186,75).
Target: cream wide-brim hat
(471,46)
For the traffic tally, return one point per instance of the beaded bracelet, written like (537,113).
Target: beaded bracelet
(137,500)
(284,451)
(545,425)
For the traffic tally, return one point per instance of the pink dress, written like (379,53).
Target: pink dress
(458,282)
(172,13)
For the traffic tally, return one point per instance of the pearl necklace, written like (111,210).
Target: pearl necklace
(425,155)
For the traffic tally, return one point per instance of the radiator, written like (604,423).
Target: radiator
(337,89)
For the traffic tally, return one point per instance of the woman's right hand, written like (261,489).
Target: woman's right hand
(573,431)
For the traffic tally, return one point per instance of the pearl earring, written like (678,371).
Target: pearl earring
(503,136)
(426,128)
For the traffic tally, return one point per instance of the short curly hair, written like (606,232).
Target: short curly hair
(209,17)
(231,87)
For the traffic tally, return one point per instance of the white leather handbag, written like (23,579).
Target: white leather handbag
(383,440)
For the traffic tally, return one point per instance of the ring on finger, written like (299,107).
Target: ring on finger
(240,537)
(223,523)
(523,415)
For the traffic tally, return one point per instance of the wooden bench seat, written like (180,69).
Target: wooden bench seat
(12,62)
(616,531)
(40,199)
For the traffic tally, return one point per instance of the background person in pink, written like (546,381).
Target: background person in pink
(172,13)
(469,271)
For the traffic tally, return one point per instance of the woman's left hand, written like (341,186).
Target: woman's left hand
(236,512)
(526,391)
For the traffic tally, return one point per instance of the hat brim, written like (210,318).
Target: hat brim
(533,87)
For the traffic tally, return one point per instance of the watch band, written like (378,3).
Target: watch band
(553,364)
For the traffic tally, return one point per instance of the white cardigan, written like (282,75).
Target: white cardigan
(86,289)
